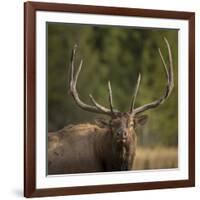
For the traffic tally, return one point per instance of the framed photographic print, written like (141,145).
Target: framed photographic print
(109,99)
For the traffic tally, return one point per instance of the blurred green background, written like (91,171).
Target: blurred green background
(117,54)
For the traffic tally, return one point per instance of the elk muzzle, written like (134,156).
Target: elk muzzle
(122,135)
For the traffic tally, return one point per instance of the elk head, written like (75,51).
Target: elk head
(122,125)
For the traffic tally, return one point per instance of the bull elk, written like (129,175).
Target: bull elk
(105,145)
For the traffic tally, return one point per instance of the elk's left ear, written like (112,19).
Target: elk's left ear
(102,122)
(141,120)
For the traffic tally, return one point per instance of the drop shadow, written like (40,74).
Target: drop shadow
(18,193)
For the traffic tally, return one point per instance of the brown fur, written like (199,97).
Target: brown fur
(73,150)
(85,148)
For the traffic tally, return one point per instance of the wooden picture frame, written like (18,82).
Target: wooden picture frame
(30,9)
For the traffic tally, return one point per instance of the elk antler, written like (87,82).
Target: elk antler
(169,87)
(135,94)
(96,108)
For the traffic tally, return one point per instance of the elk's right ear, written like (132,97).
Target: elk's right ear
(102,122)
(141,120)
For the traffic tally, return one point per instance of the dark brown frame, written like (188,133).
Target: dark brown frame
(30,9)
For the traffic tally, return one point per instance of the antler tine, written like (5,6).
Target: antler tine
(171,74)
(135,94)
(97,105)
(163,61)
(110,97)
(170,82)
(71,69)
(72,83)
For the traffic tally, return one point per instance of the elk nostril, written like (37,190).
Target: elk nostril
(118,133)
(125,134)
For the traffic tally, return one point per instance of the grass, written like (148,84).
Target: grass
(156,158)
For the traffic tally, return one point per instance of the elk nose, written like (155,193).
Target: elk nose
(122,133)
